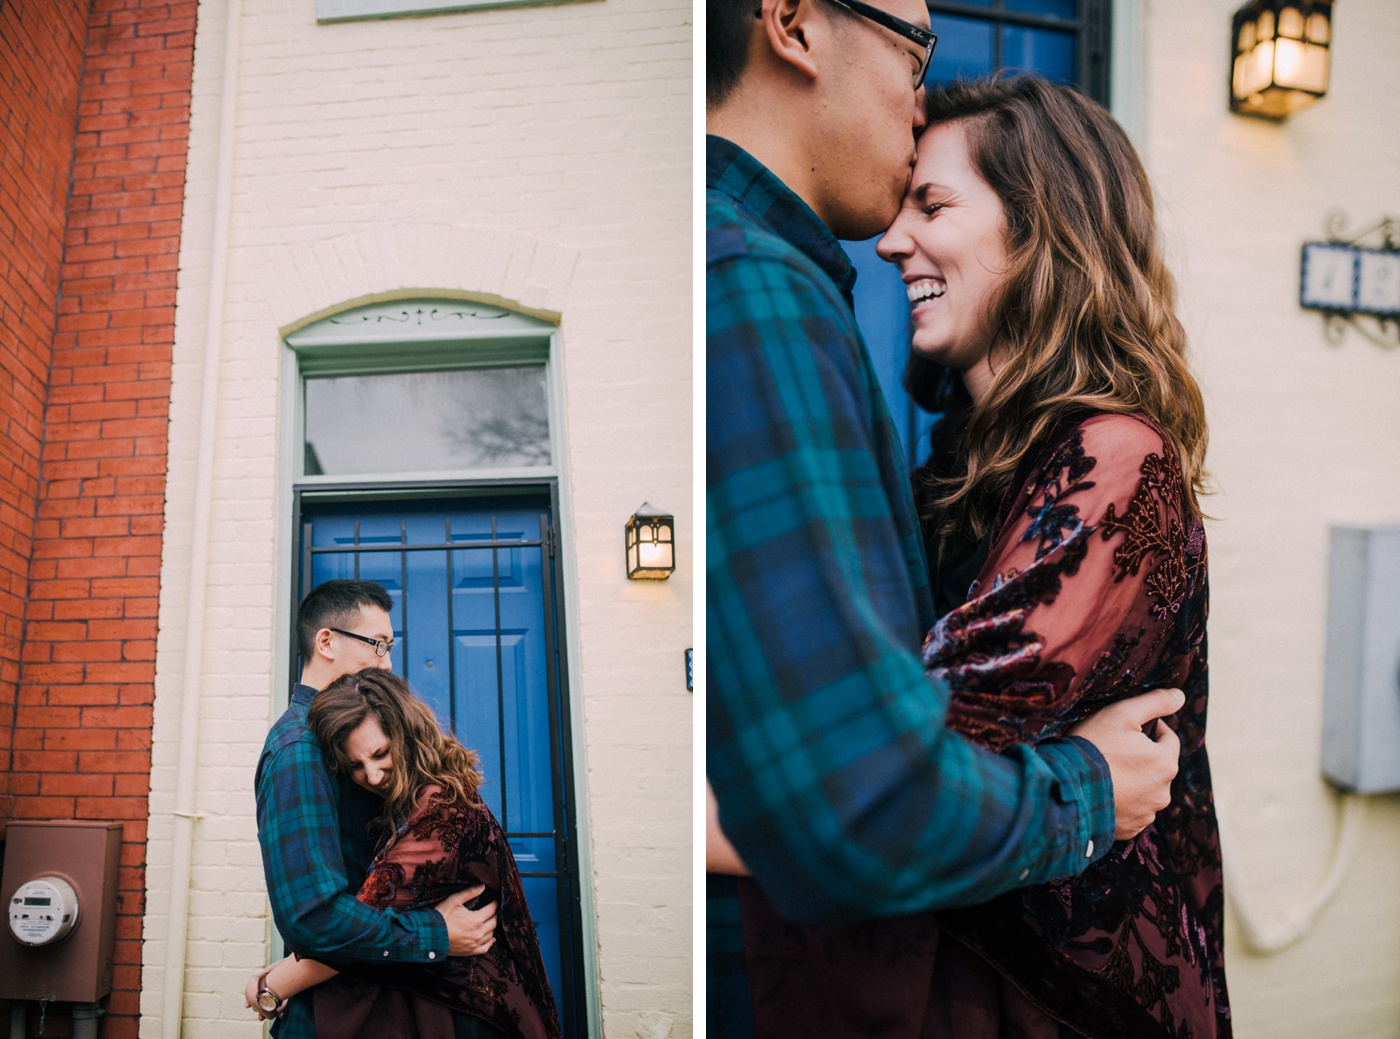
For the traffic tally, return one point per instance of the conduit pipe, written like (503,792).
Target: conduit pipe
(1298,921)
(193,664)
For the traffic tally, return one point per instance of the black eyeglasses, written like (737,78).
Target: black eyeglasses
(380,646)
(914,33)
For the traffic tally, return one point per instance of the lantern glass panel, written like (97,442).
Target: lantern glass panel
(1290,23)
(1258,70)
(1319,28)
(1289,62)
(1302,66)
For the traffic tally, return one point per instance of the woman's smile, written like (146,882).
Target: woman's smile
(924,289)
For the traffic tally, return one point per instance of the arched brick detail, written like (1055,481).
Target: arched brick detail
(492,265)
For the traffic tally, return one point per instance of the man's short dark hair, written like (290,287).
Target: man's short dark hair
(334,605)
(728,26)
(728,29)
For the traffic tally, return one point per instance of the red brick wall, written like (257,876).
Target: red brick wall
(41,52)
(82,733)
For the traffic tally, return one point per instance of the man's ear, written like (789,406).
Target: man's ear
(787,26)
(323,644)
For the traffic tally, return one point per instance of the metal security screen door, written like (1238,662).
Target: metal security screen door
(477,635)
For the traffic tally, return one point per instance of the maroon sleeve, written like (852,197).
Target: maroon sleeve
(1076,597)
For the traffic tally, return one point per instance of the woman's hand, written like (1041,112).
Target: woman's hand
(251,990)
(291,976)
(720,856)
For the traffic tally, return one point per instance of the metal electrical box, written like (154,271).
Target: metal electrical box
(59,888)
(1361,699)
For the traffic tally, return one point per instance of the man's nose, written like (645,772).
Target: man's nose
(920,119)
(386,662)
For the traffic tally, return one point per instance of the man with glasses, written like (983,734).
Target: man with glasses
(834,780)
(312,825)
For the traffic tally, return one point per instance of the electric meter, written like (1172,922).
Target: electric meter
(43,911)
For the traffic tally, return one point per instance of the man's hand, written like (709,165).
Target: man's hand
(470,932)
(1143,766)
(720,856)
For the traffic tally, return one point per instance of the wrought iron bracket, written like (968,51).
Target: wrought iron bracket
(1381,329)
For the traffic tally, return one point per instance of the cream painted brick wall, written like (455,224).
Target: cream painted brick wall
(1303,435)
(538,154)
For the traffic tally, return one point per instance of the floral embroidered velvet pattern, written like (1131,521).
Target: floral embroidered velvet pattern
(444,847)
(1095,589)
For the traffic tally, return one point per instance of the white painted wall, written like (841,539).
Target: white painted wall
(1303,434)
(536,155)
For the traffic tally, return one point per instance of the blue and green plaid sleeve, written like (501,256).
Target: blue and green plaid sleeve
(837,781)
(313,900)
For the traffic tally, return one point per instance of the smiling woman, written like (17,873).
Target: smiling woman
(439,837)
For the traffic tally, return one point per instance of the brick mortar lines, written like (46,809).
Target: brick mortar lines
(82,724)
(9,797)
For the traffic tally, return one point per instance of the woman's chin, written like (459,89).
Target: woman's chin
(937,351)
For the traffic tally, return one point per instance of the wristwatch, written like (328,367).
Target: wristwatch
(269,1002)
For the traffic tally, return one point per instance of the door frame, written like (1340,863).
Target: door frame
(398,354)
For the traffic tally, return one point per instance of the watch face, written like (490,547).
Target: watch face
(267,1001)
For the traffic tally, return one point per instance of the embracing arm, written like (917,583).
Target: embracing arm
(290,975)
(836,780)
(1076,604)
(312,903)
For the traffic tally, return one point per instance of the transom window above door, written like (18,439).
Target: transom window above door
(473,418)
(423,387)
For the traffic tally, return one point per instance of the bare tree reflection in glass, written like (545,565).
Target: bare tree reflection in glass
(474,418)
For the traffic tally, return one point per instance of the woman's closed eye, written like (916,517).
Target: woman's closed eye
(377,756)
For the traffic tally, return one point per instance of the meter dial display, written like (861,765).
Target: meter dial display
(43,911)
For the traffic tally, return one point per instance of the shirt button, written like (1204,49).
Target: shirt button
(432,955)
(1089,851)
(386,952)
(1024,874)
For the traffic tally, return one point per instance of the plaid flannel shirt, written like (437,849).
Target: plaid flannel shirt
(315,850)
(836,779)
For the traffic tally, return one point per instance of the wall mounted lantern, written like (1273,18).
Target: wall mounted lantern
(651,544)
(1279,56)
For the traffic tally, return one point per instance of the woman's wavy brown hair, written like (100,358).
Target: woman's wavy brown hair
(422,753)
(1086,319)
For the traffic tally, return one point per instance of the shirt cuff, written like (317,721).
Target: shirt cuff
(437,947)
(1083,781)
(428,931)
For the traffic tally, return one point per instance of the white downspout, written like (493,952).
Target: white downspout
(193,664)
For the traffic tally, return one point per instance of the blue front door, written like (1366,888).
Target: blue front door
(476,629)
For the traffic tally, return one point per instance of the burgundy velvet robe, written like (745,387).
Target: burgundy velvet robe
(1094,589)
(443,848)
